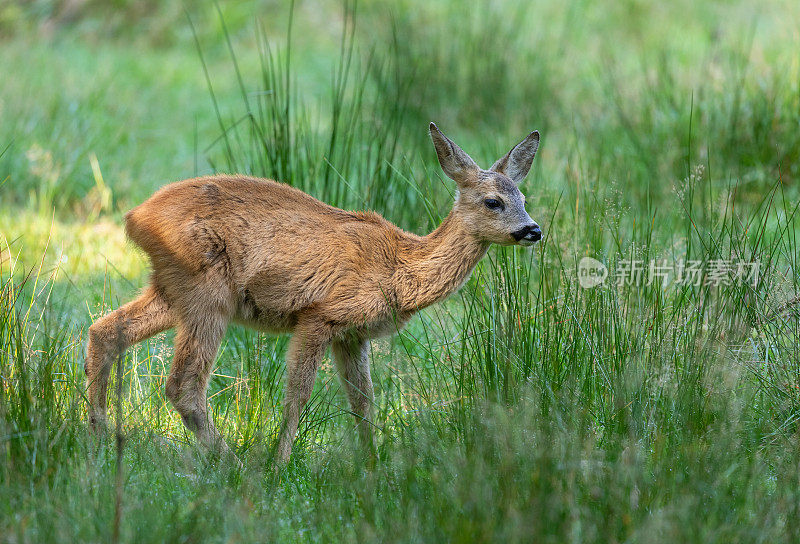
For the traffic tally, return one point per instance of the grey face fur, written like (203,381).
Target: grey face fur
(489,201)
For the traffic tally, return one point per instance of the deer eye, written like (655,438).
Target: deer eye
(493,204)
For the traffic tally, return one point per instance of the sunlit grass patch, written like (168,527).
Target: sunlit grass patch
(77,248)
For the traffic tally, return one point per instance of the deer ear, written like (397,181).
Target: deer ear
(517,163)
(456,164)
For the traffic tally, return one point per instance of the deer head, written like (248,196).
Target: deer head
(489,202)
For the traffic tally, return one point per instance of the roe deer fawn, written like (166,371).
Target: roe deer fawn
(233,248)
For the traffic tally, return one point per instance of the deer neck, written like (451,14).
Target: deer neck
(438,264)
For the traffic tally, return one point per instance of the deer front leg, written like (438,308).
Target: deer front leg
(302,361)
(352,358)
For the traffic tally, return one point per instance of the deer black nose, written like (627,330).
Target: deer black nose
(531,233)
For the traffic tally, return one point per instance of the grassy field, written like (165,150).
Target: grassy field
(659,406)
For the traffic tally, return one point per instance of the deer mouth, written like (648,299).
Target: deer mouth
(527,235)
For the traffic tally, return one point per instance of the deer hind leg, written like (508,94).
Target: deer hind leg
(352,358)
(196,344)
(112,334)
(304,354)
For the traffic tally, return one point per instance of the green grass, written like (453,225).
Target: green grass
(525,408)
